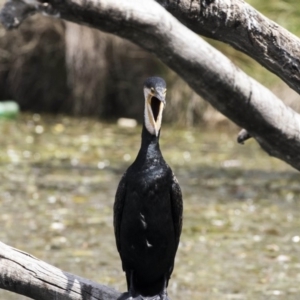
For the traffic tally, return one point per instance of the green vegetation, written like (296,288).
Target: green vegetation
(284,12)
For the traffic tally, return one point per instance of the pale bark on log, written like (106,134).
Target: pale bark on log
(24,274)
(207,71)
(238,24)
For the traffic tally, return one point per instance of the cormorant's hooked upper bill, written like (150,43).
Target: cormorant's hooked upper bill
(155,100)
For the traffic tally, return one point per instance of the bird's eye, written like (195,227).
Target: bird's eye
(152,90)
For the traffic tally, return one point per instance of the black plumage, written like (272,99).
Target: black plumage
(148,211)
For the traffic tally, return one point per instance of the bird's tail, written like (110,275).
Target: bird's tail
(137,289)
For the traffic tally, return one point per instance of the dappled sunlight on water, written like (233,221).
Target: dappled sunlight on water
(241,234)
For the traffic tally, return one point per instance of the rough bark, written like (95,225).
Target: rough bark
(207,71)
(237,23)
(24,274)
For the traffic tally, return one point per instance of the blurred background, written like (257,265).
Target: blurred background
(52,66)
(62,156)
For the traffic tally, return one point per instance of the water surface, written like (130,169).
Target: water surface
(241,233)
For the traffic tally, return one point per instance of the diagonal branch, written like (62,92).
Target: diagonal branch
(207,71)
(26,275)
(238,24)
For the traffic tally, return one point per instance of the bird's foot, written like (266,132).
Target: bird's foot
(164,295)
(128,296)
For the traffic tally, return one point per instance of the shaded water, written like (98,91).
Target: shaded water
(241,233)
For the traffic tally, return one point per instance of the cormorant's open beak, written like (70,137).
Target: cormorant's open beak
(157,103)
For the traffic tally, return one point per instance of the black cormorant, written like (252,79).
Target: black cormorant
(148,208)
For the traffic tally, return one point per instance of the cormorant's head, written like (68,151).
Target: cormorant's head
(155,100)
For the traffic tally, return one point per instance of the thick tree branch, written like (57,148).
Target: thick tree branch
(237,23)
(207,71)
(243,136)
(26,275)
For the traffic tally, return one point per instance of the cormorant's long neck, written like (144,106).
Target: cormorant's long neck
(149,146)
